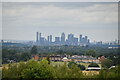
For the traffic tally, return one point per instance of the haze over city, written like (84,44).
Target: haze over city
(99,21)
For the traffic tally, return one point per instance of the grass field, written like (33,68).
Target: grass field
(57,63)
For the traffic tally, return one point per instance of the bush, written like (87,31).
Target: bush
(71,63)
(82,67)
(93,65)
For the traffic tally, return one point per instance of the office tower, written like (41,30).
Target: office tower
(75,41)
(42,41)
(86,39)
(57,40)
(70,39)
(80,39)
(50,38)
(118,42)
(62,38)
(37,37)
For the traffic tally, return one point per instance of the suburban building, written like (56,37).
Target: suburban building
(85,59)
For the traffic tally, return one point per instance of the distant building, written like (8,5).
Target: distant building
(37,37)
(83,41)
(65,59)
(50,38)
(53,57)
(84,59)
(101,58)
(75,41)
(35,57)
(57,40)
(62,38)
(70,39)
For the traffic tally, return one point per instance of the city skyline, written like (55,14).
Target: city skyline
(69,39)
(96,20)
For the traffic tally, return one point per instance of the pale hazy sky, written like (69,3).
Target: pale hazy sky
(99,21)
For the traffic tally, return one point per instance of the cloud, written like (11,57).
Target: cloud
(0,21)
(97,13)
(60,0)
(56,17)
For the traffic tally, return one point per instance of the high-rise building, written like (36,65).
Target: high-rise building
(42,41)
(80,39)
(86,39)
(57,40)
(62,38)
(40,37)
(37,37)
(75,41)
(70,39)
(50,38)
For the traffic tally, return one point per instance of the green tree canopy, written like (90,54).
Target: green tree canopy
(107,63)
(34,50)
(37,69)
(90,53)
(48,59)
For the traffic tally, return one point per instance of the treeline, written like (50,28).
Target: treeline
(62,49)
(42,69)
(25,53)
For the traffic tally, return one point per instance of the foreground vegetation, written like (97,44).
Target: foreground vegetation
(41,69)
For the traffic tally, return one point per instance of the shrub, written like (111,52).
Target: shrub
(82,67)
(93,65)
(71,63)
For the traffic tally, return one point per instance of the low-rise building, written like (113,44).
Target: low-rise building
(85,59)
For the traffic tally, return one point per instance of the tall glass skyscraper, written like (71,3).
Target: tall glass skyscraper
(62,38)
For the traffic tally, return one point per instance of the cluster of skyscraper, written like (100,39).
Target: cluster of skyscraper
(71,40)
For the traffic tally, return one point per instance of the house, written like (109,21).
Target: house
(101,58)
(53,57)
(84,59)
(36,57)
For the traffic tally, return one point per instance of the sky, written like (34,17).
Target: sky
(59,0)
(98,20)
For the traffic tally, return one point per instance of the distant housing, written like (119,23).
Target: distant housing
(75,58)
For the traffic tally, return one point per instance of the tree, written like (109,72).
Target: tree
(64,72)
(48,59)
(75,72)
(14,70)
(112,73)
(37,69)
(107,63)
(91,53)
(34,50)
